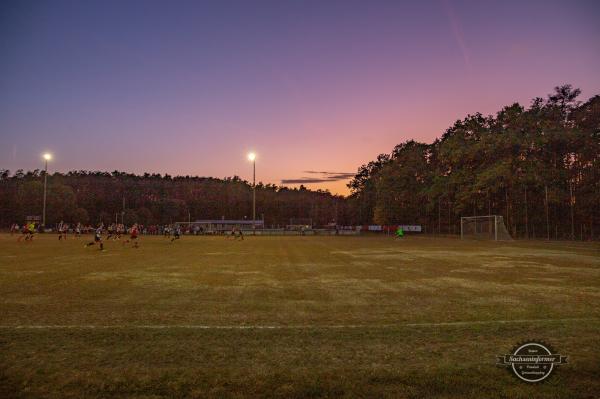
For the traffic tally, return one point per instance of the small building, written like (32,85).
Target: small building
(224,225)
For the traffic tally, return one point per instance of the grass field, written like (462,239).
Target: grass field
(294,317)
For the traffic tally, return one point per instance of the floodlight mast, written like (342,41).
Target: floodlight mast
(252,158)
(47,157)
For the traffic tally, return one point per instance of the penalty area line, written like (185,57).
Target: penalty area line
(282,327)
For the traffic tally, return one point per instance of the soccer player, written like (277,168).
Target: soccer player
(111,230)
(134,236)
(120,230)
(62,230)
(78,230)
(97,238)
(30,231)
(400,232)
(237,233)
(176,233)
(24,233)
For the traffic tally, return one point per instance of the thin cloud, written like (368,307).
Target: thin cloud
(458,33)
(328,174)
(325,177)
(341,176)
(304,180)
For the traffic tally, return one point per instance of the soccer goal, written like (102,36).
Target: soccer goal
(484,228)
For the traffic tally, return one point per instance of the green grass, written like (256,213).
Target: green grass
(324,316)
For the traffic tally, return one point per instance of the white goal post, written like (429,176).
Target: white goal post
(489,227)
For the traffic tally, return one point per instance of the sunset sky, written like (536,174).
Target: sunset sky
(190,87)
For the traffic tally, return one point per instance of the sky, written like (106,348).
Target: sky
(190,87)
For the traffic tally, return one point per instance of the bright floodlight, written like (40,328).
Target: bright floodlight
(252,156)
(47,156)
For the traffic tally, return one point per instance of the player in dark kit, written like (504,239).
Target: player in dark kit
(237,233)
(97,239)
(176,233)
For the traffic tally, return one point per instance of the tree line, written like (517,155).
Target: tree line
(95,197)
(538,167)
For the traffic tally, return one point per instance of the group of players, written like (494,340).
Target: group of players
(27,231)
(114,231)
(63,229)
(176,231)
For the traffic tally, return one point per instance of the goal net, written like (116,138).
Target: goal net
(484,228)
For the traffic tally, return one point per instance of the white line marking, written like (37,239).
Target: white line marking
(281,327)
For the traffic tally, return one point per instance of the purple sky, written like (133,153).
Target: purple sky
(191,87)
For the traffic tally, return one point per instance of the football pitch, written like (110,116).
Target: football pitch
(294,317)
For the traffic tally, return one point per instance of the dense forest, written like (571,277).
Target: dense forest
(537,167)
(91,197)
